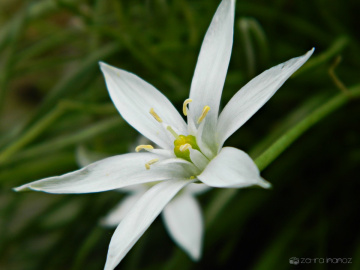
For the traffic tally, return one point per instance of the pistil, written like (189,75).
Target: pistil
(182,145)
(185,147)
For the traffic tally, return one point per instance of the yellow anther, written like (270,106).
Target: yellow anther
(203,114)
(147,164)
(154,114)
(142,146)
(192,177)
(185,147)
(186,102)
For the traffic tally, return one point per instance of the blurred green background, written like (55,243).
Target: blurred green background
(53,99)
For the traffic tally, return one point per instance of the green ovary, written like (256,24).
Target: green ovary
(184,140)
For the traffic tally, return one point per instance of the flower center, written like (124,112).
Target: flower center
(182,145)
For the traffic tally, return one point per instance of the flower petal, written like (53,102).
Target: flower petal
(133,188)
(118,213)
(197,188)
(163,152)
(184,222)
(205,149)
(211,67)
(232,168)
(198,159)
(250,98)
(107,174)
(133,97)
(139,218)
(190,167)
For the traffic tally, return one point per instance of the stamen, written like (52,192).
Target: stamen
(170,129)
(186,102)
(185,147)
(142,146)
(192,177)
(147,164)
(203,114)
(154,114)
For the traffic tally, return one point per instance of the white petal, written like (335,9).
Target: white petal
(174,160)
(249,99)
(196,188)
(211,67)
(139,218)
(188,166)
(184,222)
(198,159)
(163,152)
(118,213)
(232,168)
(107,174)
(133,97)
(133,188)
(202,145)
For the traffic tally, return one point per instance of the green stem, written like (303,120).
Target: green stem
(74,80)
(62,142)
(43,46)
(244,27)
(289,137)
(87,247)
(31,134)
(37,169)
(51,117)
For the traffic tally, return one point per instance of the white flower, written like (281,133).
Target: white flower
(198,155)
(182,215)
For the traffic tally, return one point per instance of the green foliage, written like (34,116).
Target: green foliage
(53,99)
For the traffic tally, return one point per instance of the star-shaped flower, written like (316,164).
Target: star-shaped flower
(190,152)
